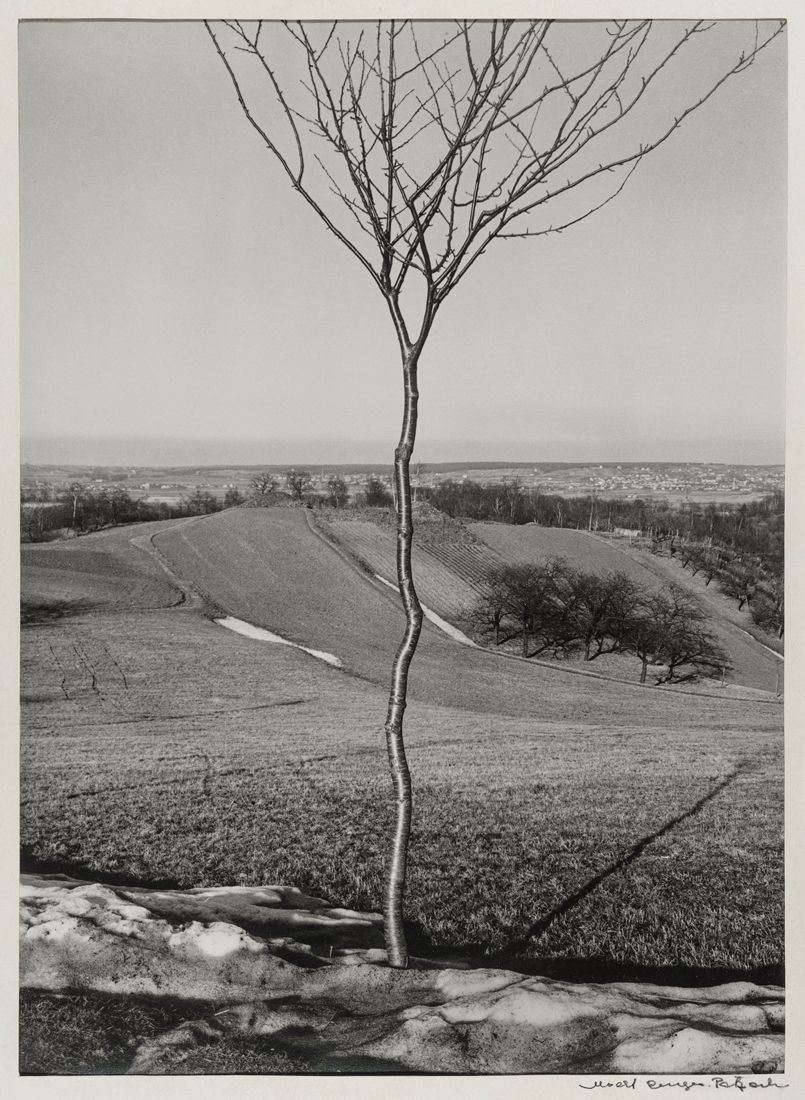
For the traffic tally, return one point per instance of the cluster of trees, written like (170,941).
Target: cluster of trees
(263,485)
(740,546)
(298,485)
(753,527)
(82,508)
(754,582)
(554,607)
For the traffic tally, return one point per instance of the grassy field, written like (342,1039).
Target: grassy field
(158,745)
(563,824)
(83,574)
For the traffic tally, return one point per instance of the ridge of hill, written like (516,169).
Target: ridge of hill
(269,568)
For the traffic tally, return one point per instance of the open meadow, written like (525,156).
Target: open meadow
(564,824)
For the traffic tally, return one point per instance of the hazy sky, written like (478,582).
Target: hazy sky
(175,292)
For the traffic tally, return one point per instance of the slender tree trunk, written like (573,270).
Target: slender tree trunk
(395,873)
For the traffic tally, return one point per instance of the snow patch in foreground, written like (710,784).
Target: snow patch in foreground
(437,620)
(311,976)
(261,635)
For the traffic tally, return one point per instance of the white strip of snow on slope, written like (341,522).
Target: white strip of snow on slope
(437,620)
(261,635)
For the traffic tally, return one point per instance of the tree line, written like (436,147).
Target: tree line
(554,608)
(83,509)
(740,546)
(752,527)
(297,484)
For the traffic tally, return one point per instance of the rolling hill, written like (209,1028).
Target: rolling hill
(588,825)
(754,665)
(270,568)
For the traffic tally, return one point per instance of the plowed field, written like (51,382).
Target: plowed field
(443,580)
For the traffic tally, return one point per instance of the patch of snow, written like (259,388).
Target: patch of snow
(76,906)
(762,645)
(214,940)
(261,635)
(448,628)
(54,929)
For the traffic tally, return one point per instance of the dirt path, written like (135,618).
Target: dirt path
(191,600)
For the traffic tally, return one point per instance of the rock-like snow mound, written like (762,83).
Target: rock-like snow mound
(299,971)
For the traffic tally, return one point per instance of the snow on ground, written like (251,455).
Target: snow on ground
(437,620)
(81,936)
(261,635)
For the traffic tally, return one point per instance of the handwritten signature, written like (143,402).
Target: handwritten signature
(739,1083)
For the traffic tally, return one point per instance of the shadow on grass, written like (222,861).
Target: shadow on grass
(40,613)
(31,864)
(543,923)
(512,956)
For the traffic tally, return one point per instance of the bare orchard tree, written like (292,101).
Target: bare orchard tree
(262,484)
(298,483)
(419,145)
(337,491)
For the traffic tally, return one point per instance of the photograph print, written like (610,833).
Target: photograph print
(402,548)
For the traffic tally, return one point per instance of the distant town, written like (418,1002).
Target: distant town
(674,482)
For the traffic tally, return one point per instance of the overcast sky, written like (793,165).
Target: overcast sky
(180,304)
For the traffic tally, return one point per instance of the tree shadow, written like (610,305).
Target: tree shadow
(512,955)
(543,923)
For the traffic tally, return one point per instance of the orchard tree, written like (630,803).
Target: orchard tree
(298,482)
(375,493)
(739,580)
(420,145)
(337,491)
(262,484)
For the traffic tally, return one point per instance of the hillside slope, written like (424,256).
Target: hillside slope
(595,828)
(270,568)
(753,665)
(102,571)
(449,565)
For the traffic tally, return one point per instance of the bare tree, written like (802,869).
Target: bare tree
(602,606)
(338,491)
(669,631)
(768,610)
(419,470)
(421,144)
(76,491)
(262,484)
(739,581)
(298,482)
(375,493)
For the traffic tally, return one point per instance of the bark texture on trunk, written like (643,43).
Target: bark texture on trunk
(395,872)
